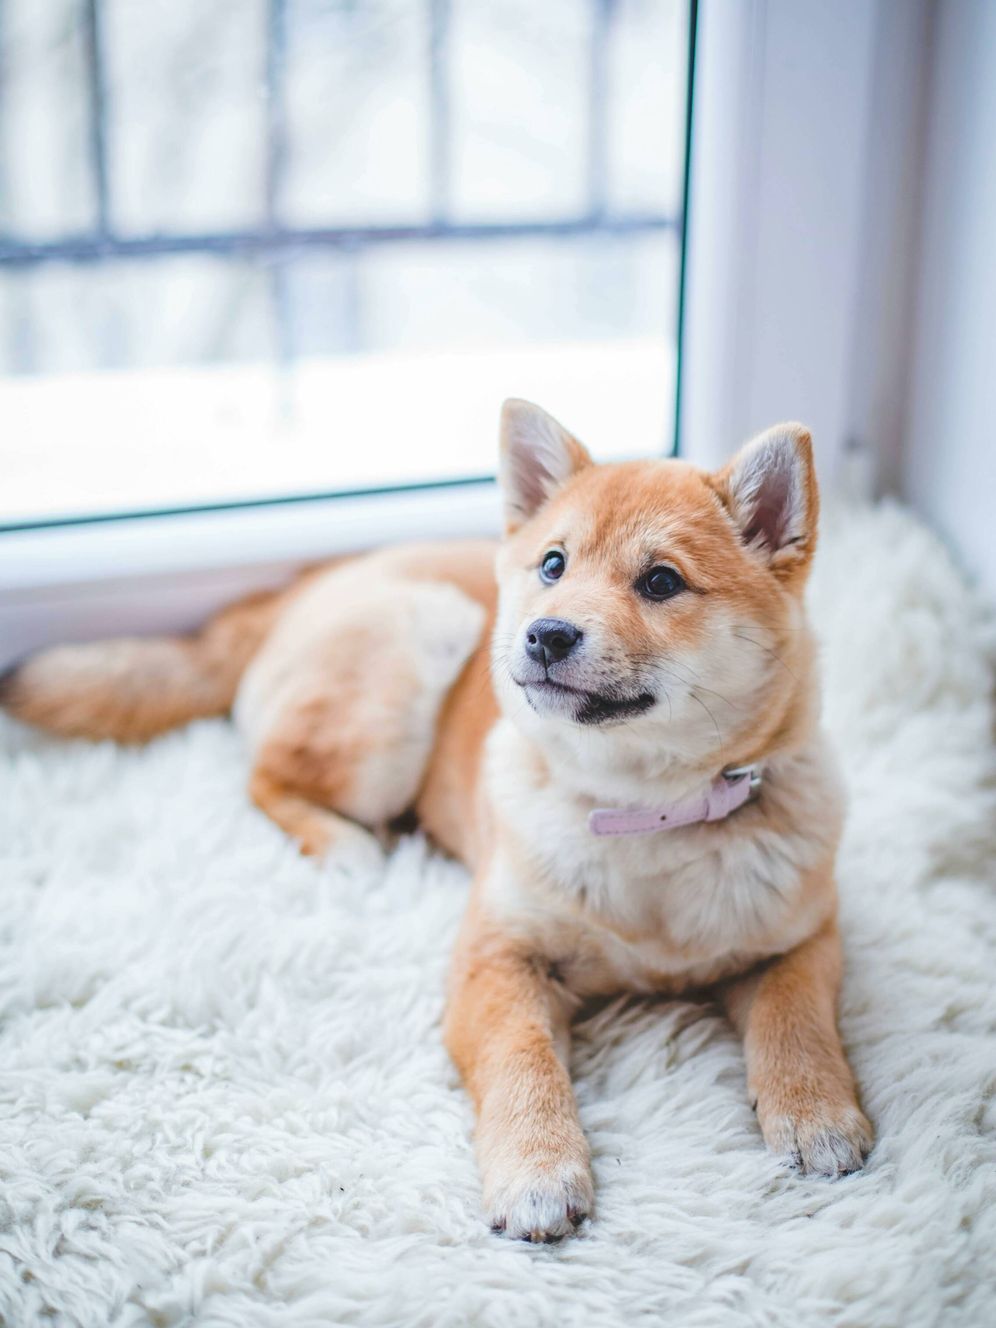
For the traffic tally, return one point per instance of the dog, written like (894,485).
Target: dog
(618,733)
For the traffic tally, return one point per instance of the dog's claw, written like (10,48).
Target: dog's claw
(833,1143)
(543,1209)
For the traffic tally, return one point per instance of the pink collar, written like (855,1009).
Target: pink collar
(726,793)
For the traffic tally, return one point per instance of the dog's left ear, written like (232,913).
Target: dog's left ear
(538,455)
(770,491)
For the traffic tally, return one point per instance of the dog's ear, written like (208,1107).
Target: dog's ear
(537,456)
(769,489)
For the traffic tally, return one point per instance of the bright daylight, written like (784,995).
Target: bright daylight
(254,249)
(497,663)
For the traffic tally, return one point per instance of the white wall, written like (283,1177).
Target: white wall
(842,247)
(949,466)
(787,95)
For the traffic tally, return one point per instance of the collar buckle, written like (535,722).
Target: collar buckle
(732,774)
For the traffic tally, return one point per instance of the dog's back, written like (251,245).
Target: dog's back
(337,682)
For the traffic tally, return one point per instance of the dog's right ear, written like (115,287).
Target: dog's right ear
(538,455)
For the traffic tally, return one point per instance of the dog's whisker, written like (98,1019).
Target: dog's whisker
(772,654)
(699,701)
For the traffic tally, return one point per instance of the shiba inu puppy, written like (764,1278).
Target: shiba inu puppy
(619,735)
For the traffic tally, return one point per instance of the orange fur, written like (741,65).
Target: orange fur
(506,1023)
(797,1074)
(133,689)
(315,829)
(390,681)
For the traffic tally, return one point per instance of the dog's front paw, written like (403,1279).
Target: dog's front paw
(820,1138)
(540,1200)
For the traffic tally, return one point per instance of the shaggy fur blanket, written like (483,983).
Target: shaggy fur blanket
(225,1099)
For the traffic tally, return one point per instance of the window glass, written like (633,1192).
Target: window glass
(265,248)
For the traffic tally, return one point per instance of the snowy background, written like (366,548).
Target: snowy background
(186,148)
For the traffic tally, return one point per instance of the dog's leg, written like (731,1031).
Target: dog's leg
(340,707)
(507,1031)
(317,830)
(797,1074)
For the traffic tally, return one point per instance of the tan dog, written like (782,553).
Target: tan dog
(590,741)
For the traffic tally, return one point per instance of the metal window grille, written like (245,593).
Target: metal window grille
(276,244)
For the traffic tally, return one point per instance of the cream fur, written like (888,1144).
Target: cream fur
(225,1098)
(424,632)
(722,893)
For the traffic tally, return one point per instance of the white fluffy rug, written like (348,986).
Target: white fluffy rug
(225,1099)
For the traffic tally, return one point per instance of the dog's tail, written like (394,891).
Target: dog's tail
(134,688)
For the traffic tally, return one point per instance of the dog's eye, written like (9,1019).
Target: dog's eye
(660,583)
(552,566)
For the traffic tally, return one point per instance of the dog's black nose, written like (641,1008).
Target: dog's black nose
(550,639)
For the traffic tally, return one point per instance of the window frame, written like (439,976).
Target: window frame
(741,271)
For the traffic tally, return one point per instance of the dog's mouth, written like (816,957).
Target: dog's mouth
(582,705)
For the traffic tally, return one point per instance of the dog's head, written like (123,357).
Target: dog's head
(651,594)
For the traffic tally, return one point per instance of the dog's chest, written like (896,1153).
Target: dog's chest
(653,911)
(683,896)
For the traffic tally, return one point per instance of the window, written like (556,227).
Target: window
(269,248)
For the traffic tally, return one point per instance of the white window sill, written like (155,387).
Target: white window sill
(167,574)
